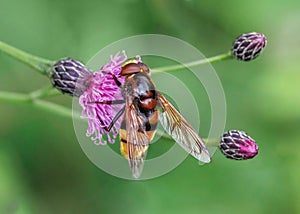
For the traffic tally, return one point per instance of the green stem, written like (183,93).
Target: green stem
(212,142)
(63,111)
(193,64)
(40,64)
(25,98)
(14,97)
(44,92)
(54,108)
(44,65)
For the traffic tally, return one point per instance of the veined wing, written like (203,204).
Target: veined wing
(137,139)
(181,131)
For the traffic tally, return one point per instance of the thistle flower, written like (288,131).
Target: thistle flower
(102,87)
(238,145)
(248,46)
(70,76)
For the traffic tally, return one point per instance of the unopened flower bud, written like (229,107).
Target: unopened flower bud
(248,46)
(70,76)
(238,145)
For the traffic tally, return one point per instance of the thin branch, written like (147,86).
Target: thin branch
(193,64)
(38,63)
(45,92)
(45,105)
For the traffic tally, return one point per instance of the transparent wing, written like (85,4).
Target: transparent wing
(181,131)
(137,139)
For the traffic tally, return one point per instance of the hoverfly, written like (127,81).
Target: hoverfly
(141,116)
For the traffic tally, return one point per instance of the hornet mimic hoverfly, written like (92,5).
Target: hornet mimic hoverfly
(140,118)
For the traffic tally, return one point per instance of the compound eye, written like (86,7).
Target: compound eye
(130,68)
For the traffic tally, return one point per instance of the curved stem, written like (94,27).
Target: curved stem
(212,142)
(14,97)
(44,92)
(54,108)
(40,64)
(43,66)
(25,98)
(193,64)
(66,112)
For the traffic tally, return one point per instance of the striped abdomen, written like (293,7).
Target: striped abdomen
(150,124)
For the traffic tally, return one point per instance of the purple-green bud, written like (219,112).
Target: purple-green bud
(70,76)
(248,46)
(238,145)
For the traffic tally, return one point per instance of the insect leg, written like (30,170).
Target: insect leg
(109,102)
(115,78)
(118,115)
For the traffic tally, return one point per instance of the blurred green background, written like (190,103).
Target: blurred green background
(42,167)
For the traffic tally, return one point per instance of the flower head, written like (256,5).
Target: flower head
(103,88)
(238,145)
(70,76)
(248,46)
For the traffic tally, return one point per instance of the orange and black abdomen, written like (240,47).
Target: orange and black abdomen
(150,129)
(142,92)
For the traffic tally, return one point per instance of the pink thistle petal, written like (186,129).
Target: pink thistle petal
(103,87)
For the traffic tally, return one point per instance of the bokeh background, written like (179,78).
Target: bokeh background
(42,167)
